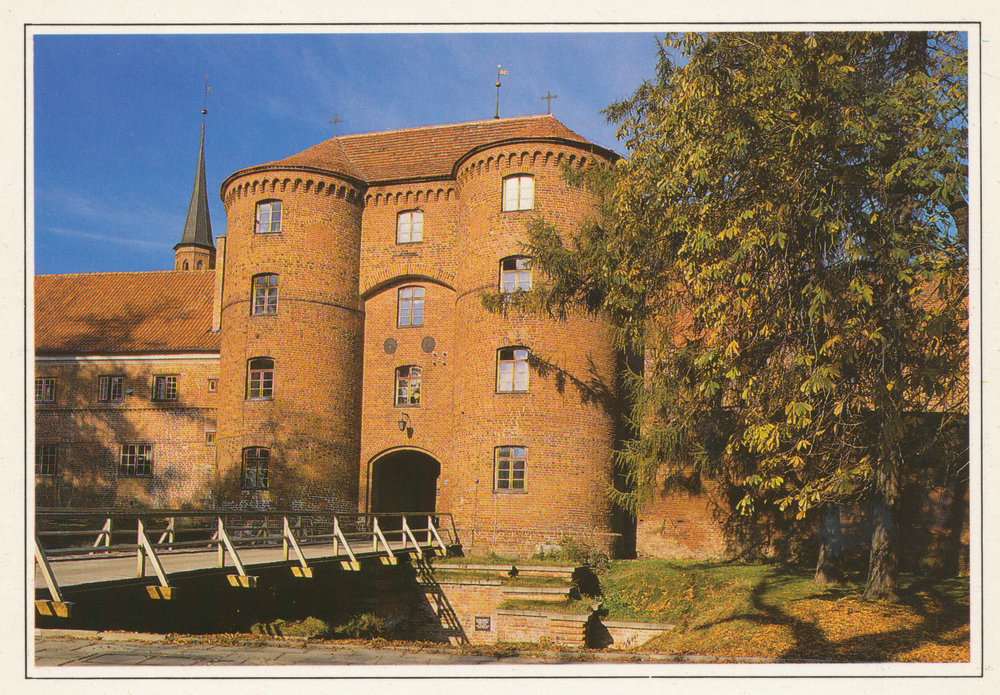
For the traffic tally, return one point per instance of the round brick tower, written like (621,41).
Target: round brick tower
(291,334)
(534,409)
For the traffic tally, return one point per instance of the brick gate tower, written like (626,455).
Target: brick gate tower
(291,343)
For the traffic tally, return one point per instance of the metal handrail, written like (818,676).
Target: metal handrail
(227,531)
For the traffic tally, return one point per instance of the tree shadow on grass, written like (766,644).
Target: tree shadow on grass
(939,617)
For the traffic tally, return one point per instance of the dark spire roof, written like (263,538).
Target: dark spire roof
(198,226)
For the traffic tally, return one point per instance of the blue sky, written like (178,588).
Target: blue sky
(117,117)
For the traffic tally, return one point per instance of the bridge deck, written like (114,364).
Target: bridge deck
(80,573)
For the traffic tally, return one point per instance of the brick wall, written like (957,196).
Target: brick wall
(88,433)
(311,424)
(566,420)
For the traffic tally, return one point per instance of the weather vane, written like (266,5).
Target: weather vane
(204,99)
(496,114)
(548,97)
(335,121)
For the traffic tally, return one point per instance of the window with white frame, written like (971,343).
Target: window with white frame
(136,460)
(512,369)
(408,386)
(518,193)
(509,469)
(411,306)
(45,390)
(515,274)
(165,388)
(110,388)
(45,458)
(255,463)
(260,378)
(265,294)
(409,227)
(268,217)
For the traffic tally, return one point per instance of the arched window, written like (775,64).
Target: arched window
(512,369)
(410,310)
(515,274)
(255,462)
(185,265)
(265,294)
(199,265)
(408,386)
(260,378)
(509,469)
(409,227)
(268,217)
(518,193)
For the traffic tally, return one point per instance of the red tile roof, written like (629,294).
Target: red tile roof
(124,313)
(418,153)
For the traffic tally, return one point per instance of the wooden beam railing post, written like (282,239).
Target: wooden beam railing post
(376,537)
(407,533)
(431,529)
(144,548)
(43,565)
(287,539)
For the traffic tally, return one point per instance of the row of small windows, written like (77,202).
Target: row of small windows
(188,267)
(518,194)
(111,388)
(515,275)
(136,460)
(512,376)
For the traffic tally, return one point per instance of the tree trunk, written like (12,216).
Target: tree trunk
(883,570)
(828,568)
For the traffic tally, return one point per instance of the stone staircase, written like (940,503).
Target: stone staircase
(467,599)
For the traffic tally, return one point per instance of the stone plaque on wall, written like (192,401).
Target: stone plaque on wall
(482,623)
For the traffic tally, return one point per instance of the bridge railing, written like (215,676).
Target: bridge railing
(149,534)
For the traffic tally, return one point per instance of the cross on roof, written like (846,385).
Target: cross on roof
(548,97)
(335,121)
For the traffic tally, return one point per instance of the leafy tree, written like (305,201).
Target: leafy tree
(787,245)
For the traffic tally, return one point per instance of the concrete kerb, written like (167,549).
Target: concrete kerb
(302,643)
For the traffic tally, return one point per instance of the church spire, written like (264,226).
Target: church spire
(196,250)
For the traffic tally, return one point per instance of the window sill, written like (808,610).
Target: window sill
(419,325)
(511,393)
(407,405)
(510,492)
(258,400)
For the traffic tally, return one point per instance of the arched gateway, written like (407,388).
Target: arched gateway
(404,480)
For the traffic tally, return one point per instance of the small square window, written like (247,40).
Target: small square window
(512,369)
(165,388)
(409,227)
(213,385)
(136,460)
(45,459)
(268,217)
(408,386)
(45,390)
(510,469)
(515,274)
(210,437)
(411,306)
(518,193)
(110,388)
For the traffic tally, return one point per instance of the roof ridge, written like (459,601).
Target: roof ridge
(442,125)
(121,272)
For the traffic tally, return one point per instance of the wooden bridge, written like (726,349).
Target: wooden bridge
(83,549)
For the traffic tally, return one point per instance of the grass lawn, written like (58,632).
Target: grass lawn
(774,610)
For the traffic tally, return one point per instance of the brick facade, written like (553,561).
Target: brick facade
(88,433)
